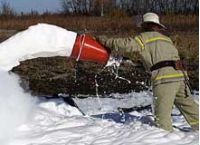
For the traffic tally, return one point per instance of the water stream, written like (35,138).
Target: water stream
(113,65)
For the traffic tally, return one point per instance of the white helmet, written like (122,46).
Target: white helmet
(152,18)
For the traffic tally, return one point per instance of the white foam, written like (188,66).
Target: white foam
(15,106)
(42,40)
(54,126)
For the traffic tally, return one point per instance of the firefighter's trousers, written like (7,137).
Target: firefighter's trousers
(167,95)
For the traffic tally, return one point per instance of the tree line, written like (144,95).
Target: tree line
(129,7)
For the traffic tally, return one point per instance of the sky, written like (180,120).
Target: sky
(38,5)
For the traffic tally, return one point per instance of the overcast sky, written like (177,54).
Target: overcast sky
(38,5)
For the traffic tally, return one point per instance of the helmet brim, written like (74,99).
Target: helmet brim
(161,25)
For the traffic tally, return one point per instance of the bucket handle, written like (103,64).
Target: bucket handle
(81,48)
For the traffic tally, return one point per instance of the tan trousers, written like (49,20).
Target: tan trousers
(168,94)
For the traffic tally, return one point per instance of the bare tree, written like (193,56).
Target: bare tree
(6,9)
(196,6)
(77,6)
(131,7)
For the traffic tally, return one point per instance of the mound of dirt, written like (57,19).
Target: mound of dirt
(48,76)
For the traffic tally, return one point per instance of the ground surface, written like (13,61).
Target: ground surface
(54,122)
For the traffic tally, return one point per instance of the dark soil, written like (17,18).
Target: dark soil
(48,76)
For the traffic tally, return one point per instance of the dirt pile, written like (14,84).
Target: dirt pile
(48,76)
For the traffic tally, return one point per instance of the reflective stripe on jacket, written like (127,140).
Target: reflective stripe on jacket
(153,47)
(156,47)
(142,44)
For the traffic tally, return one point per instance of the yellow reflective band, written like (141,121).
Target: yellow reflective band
(194,122)
(157,38)
(138,40)
(169,76)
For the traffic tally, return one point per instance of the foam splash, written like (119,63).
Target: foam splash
(15,106)
(114,63)
(42,40)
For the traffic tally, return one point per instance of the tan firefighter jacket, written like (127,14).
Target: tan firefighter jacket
(153,47)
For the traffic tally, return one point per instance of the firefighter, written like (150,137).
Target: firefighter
(168,74)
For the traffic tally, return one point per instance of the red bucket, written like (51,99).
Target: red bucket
(88,49)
